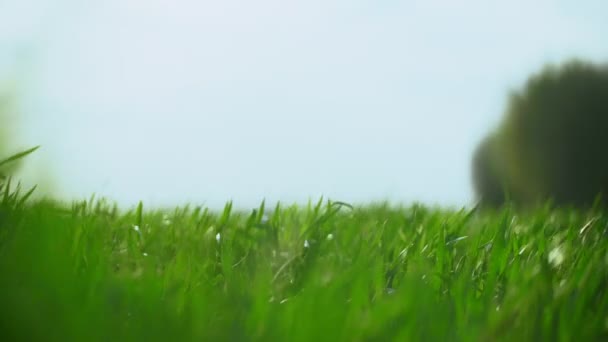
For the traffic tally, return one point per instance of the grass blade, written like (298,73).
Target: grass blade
(27,195)
(18,156)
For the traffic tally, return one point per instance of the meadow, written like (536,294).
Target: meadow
(326,271)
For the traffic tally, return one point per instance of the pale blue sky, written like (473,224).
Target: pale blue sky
(205,101)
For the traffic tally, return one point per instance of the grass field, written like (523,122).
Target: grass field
(322,272)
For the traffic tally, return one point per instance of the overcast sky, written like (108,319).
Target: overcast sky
(204,101)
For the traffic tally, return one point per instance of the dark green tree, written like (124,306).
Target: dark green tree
(487,180)
(553,141)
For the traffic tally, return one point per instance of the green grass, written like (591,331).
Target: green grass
(322,272)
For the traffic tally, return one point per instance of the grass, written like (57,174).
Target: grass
(325,272)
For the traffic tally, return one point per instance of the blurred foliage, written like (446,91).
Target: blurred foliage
(11,196)
(552,142)
(7,122)
(322,272)
(38,173)
(487,179)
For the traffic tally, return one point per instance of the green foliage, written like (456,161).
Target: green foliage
(326,271)
(6,122)
(17,156)
(11,197)
(552,142)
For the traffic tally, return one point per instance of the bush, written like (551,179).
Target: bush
(552,142)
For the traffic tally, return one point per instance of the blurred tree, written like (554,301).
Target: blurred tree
(40,174)
(487,180)
(7,124)
(552,142)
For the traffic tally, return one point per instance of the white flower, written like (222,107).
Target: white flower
(306,244)
(218,236)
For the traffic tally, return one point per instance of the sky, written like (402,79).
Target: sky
(201,102)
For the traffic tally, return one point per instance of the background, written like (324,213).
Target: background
(175,102)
